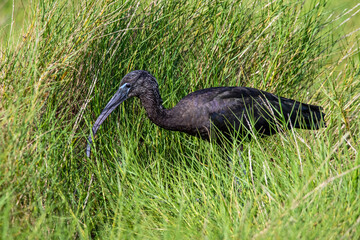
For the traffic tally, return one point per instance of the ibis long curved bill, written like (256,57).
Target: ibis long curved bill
(120,96)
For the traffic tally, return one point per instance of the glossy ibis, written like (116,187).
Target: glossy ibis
(223,109)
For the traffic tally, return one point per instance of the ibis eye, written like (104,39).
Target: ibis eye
(126,86)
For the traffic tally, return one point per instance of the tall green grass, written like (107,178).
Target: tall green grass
(147,183)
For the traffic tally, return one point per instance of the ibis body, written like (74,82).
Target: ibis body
(230,111)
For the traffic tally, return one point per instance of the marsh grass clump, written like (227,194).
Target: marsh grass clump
(145,182)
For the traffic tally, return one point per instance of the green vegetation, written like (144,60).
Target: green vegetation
(147,183)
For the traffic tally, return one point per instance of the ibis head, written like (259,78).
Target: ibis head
(133,84)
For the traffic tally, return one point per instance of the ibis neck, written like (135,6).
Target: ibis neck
(169,119)
(152,102)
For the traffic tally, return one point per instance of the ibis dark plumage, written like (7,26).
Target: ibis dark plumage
(218,109)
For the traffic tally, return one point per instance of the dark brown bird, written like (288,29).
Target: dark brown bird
(218,109)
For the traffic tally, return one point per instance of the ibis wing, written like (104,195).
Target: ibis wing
(245,109)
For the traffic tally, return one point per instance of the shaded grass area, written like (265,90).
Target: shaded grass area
(145,182)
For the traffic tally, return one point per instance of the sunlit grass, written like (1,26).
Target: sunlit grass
(148,183)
